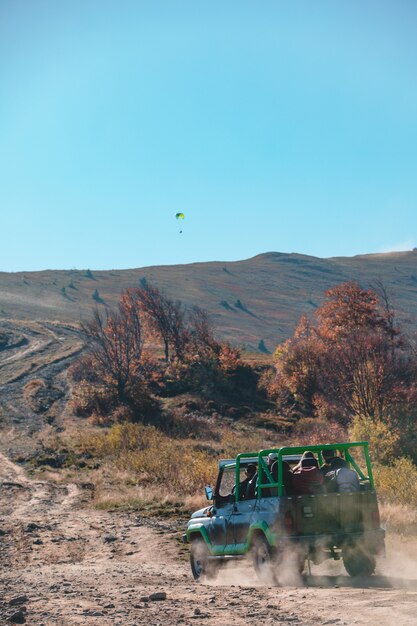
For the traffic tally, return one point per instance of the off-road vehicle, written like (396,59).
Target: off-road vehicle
(273,527)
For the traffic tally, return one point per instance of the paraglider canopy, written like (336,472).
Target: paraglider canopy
(180,216)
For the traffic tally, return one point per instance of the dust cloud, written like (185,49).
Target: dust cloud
(397,570)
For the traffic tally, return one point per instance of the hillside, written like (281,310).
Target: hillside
(84,512)
(256,299)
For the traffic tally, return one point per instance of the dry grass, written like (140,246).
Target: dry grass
(151,458)
(398,518)
(143,469)
(120,490)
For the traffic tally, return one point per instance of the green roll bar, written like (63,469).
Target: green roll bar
(265,479)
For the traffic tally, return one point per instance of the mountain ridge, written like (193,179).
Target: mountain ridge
(251,300)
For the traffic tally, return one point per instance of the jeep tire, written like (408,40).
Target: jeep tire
(201,565)
(357,561)
(263,559)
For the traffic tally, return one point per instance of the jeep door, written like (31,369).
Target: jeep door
(241,517)
(240,521)
(223,509)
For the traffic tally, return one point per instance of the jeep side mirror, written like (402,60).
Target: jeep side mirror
(209,492)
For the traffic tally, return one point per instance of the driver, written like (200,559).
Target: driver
(243,485)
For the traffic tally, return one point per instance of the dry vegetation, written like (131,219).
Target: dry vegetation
(157,399)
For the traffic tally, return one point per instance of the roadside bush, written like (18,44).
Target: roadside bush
(350,359)
(398,482)
(273,386)
(384,440)
(153,457)
(92,399)
(225,377)
(83,370)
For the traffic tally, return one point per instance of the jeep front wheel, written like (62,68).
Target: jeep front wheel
(201,565)
(262,558)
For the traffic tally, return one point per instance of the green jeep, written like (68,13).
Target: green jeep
(276,528)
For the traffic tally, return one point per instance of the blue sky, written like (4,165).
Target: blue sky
(286,126)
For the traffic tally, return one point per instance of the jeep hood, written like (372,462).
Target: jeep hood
(201,512)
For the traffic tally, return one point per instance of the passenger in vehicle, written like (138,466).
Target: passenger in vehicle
(346,478)
(272,457)
(251,488)
(271,461)
(272,491)
(243,485)
(338,476)
(307,478)
(286,480)
(307,455)
(266,492)
(328,456)
(329,468)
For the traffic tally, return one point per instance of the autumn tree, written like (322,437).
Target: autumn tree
(115,345)
(202,343)
(351,360)
(297,368)
(164,317)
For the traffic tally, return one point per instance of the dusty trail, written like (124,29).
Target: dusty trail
(77,565)
(41,348)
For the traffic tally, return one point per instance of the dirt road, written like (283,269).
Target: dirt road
(64,563)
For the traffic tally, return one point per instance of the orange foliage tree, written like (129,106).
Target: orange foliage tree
(352,360)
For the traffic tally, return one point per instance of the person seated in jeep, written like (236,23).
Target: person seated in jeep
(327,456)
(338,476)
(253,483)
(244,484)
(307,478)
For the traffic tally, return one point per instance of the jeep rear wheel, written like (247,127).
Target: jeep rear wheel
(262,558)
(357,562)
(201,565)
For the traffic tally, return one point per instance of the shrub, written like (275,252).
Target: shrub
(153,457)
(92,399)
(383,439)
(398,482)
(83,370)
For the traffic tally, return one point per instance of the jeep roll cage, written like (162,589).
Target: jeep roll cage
(293,453)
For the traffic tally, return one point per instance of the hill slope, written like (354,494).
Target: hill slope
(250,300)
